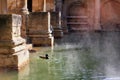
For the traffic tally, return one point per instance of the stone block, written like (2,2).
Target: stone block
(9,50)
(54,19)
(8,61)
(13,51)
(10,26)
(57,30)
(58,33)
(42,41)
(39,29)
(12,43)
(23,57)
(29,46)
(15,61)
(38,21)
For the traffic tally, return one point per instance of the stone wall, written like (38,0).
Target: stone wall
(39,28)
(102,14)
(39,5)
(15,6)
(75,15)
(13,51)
(110,15)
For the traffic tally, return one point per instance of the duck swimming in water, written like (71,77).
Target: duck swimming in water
(44,57)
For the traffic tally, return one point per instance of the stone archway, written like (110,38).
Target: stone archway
(77,18)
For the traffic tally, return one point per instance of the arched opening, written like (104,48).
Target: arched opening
(29,5)
(77,17)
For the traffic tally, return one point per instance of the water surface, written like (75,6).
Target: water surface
(78,56)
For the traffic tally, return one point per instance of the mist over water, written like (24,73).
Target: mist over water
(77,56)
(96,52)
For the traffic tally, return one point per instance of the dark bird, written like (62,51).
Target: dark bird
(44,57)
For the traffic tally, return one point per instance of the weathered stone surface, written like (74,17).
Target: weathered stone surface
(29,46)
(3,6)
(7,50)
(11,43)
(39,5)
(14,61)
(38,21)
(110,15)
(14,6)
(39,29)
(40,41)
(57,30)
(8,61)
(101,14)
(58,33)
(13,51)
(8,32)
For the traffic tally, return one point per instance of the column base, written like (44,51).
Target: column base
(15,61)
(42,41)
(65,30)
(58,33)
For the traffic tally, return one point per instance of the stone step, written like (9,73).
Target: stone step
(38,36)
(46,41)
(12,43)
(15,61)
(10,50)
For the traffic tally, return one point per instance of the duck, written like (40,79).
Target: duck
(44,57)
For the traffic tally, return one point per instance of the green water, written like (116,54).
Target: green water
(78,56)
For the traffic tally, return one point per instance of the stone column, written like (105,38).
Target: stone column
(44,7)
(39,28)
(56,20)
(13,51)
(25,9)
(24,13)
(3,6)
(97,15)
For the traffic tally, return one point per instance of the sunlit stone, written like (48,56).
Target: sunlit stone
(13,51)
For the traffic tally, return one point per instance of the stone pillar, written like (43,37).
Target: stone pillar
(56,21)
(39,29)
(24,14)
(56,24)
(62,22)
(3,6)
(44,6)
(25,9)
(97,15)
(13,51)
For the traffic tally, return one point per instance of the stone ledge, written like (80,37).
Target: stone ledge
(46,41)
(15,61)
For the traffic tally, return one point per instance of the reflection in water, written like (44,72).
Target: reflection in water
(78,56)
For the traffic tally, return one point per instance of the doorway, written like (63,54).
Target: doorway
(29,5)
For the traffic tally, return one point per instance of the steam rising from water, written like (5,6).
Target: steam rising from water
(101,50)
